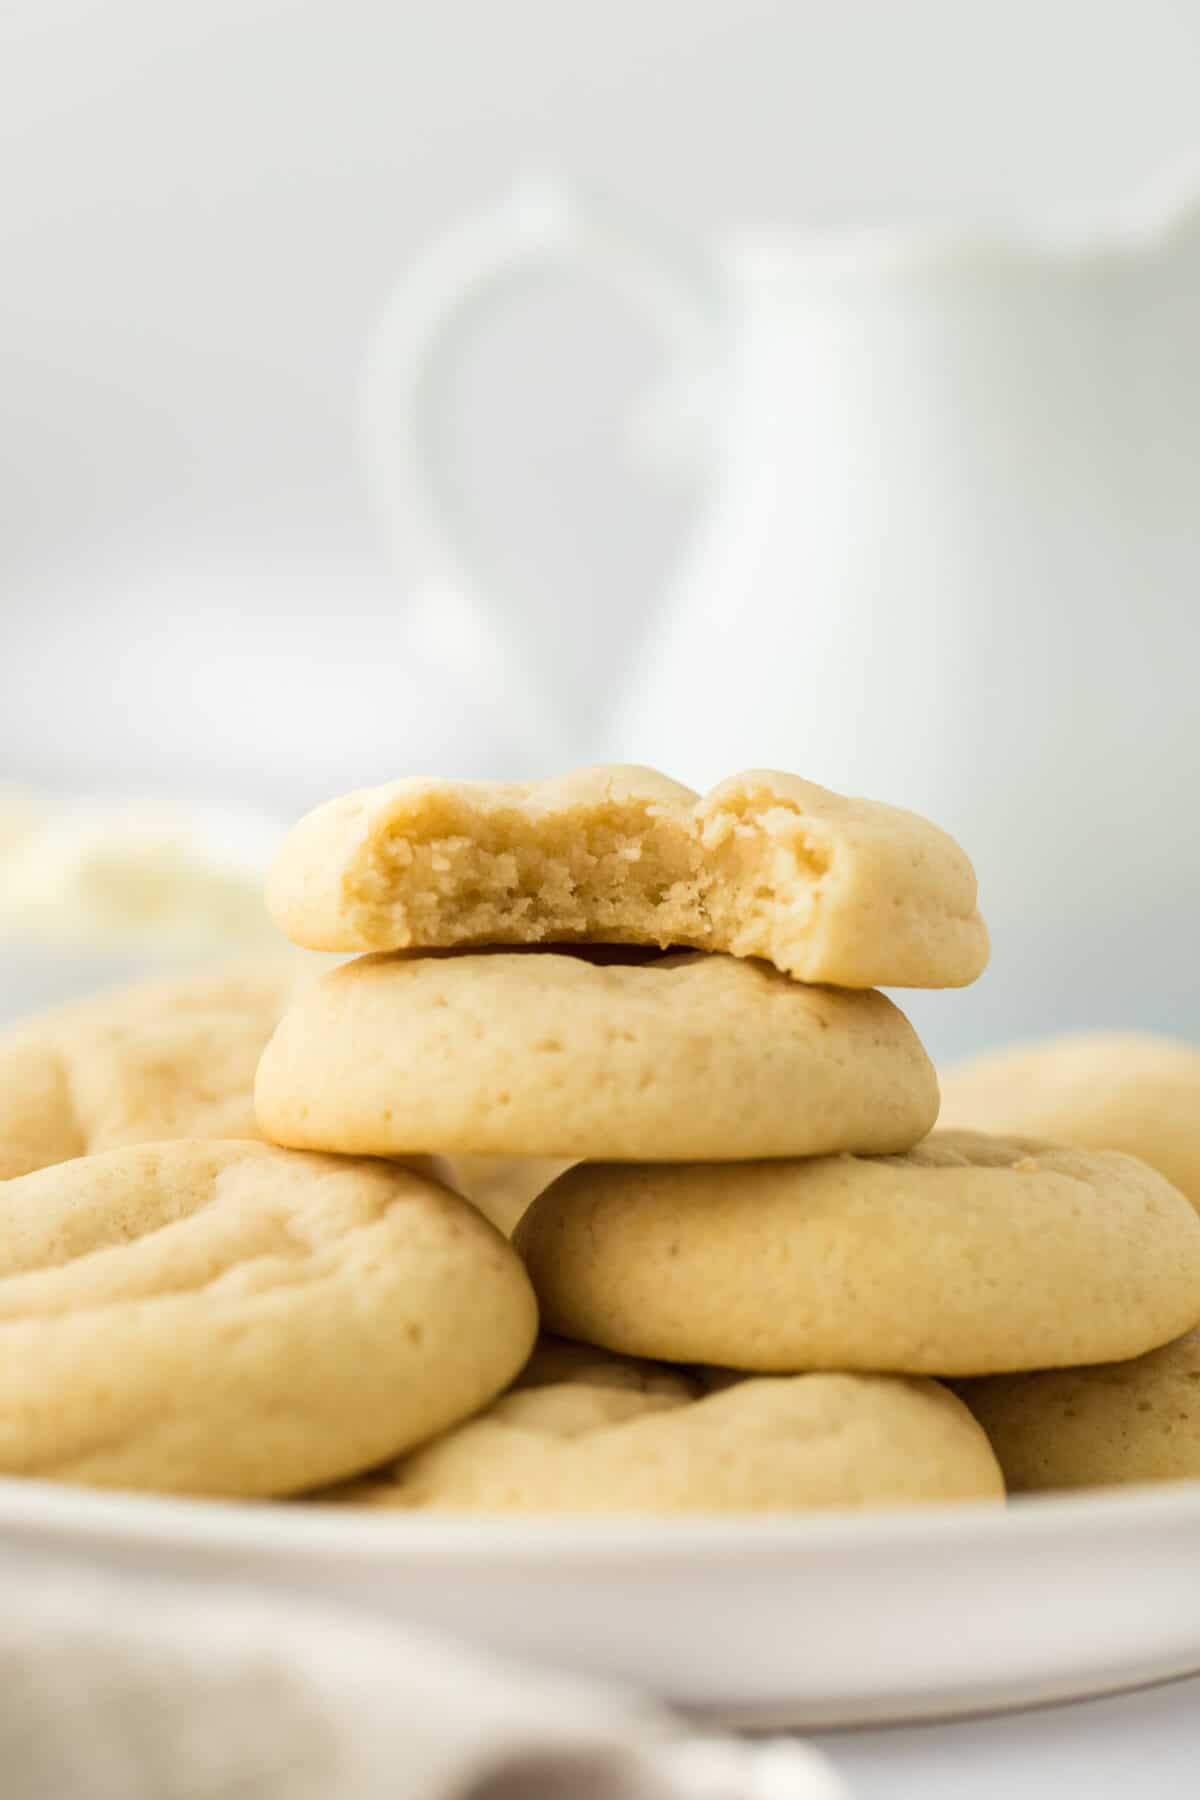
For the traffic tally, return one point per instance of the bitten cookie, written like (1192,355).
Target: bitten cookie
(158,1060)
(226,1318)
(967,1256)
(589,1434)
(1096,1427)
(828,889)
(537,1054)
(1102,1090)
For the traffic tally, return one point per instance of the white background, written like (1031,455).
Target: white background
(202,207)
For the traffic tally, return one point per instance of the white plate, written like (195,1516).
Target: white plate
(765,1621)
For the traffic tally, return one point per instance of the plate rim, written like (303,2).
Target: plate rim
(356,1534)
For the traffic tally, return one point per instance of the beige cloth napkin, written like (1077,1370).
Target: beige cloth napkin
(131,1687)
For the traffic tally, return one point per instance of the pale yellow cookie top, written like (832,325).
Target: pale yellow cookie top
(968,1255)
(1099,1426)
(579,1438)
(550,1055)
(1101,1090)
(160,1059)
(829,889)
(225,1318)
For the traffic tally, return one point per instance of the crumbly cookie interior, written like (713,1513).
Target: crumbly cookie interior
(747,876)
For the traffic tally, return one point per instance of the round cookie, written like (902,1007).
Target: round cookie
(767,865)
(610,1436)
(537,1054)
(1096,1427)
(160,1059)
(231,1319)
(1101,1090)
(967,1256)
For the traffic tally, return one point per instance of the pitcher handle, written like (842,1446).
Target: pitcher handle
(408,375)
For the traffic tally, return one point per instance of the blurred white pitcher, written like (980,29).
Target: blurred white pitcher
(949,554)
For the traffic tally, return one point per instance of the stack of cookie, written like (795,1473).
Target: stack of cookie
(186,1310)
(751,1274)
(675,994)
(551,1025)
(1134,1421)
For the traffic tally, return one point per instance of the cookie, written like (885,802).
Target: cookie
(1102,1090)
(966,1256)
(1097,1427)
(551,1055)
(620,1437)
(828,889)
(161,1059)
(230,1319)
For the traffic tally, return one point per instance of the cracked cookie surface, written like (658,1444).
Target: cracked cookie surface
(585,1433)
(225,1318)
(156,1060)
